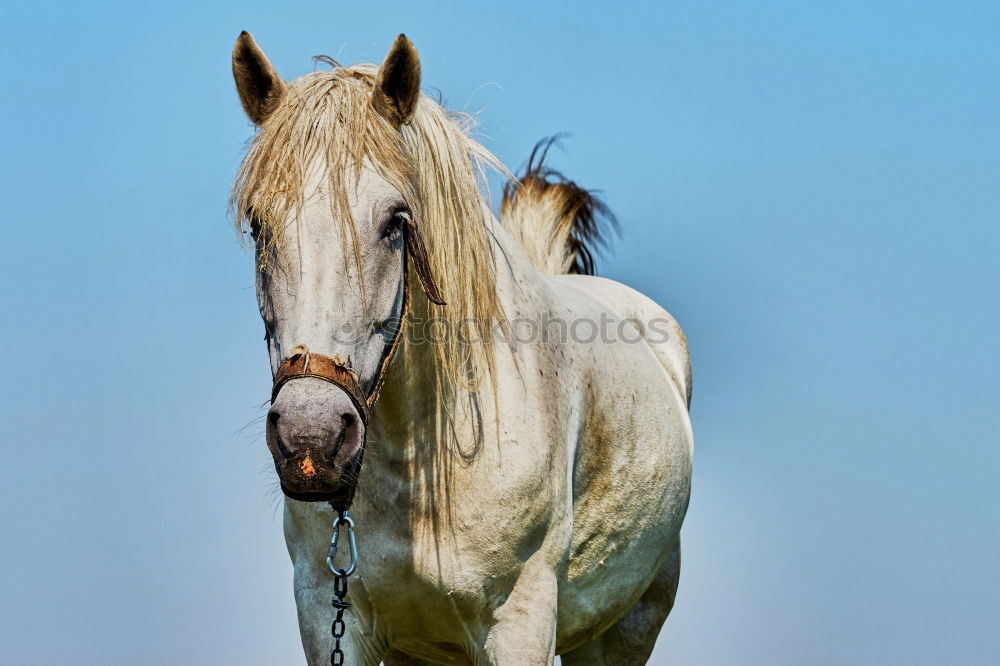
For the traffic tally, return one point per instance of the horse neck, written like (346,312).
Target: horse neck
(410,408)
(420,440)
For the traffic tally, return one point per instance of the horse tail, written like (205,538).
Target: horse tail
(559,224)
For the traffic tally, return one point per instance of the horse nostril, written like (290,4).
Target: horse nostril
(272,428)
(346,421)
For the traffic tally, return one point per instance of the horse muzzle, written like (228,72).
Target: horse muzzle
(316,434)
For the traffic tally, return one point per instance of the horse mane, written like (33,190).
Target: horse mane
(559,224)
(432,161)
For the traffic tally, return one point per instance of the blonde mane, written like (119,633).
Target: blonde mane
(432,161)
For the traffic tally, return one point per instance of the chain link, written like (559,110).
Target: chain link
(338,627)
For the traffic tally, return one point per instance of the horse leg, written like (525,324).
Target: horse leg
(525,629)
(313,592)
(629,642)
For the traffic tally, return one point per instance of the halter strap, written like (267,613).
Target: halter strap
(304,363)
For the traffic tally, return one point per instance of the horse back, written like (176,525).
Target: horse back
(658,328)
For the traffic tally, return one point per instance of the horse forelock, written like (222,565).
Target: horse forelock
(327,118)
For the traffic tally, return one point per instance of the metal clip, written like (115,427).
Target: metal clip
(331,552)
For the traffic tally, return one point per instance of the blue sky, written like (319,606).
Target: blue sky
(812,190)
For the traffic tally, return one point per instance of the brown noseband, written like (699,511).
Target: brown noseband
(303,363)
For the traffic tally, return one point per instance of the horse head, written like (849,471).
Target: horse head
(327,194)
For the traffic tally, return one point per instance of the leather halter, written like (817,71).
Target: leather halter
(304,363)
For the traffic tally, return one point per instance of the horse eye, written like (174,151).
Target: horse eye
(394,225)
(255,224)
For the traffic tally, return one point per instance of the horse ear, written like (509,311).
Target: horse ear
(259,86)
(398,86)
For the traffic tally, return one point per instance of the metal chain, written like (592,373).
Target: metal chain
(338,627)
(340,582)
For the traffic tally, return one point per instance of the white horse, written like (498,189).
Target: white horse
(528,462)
